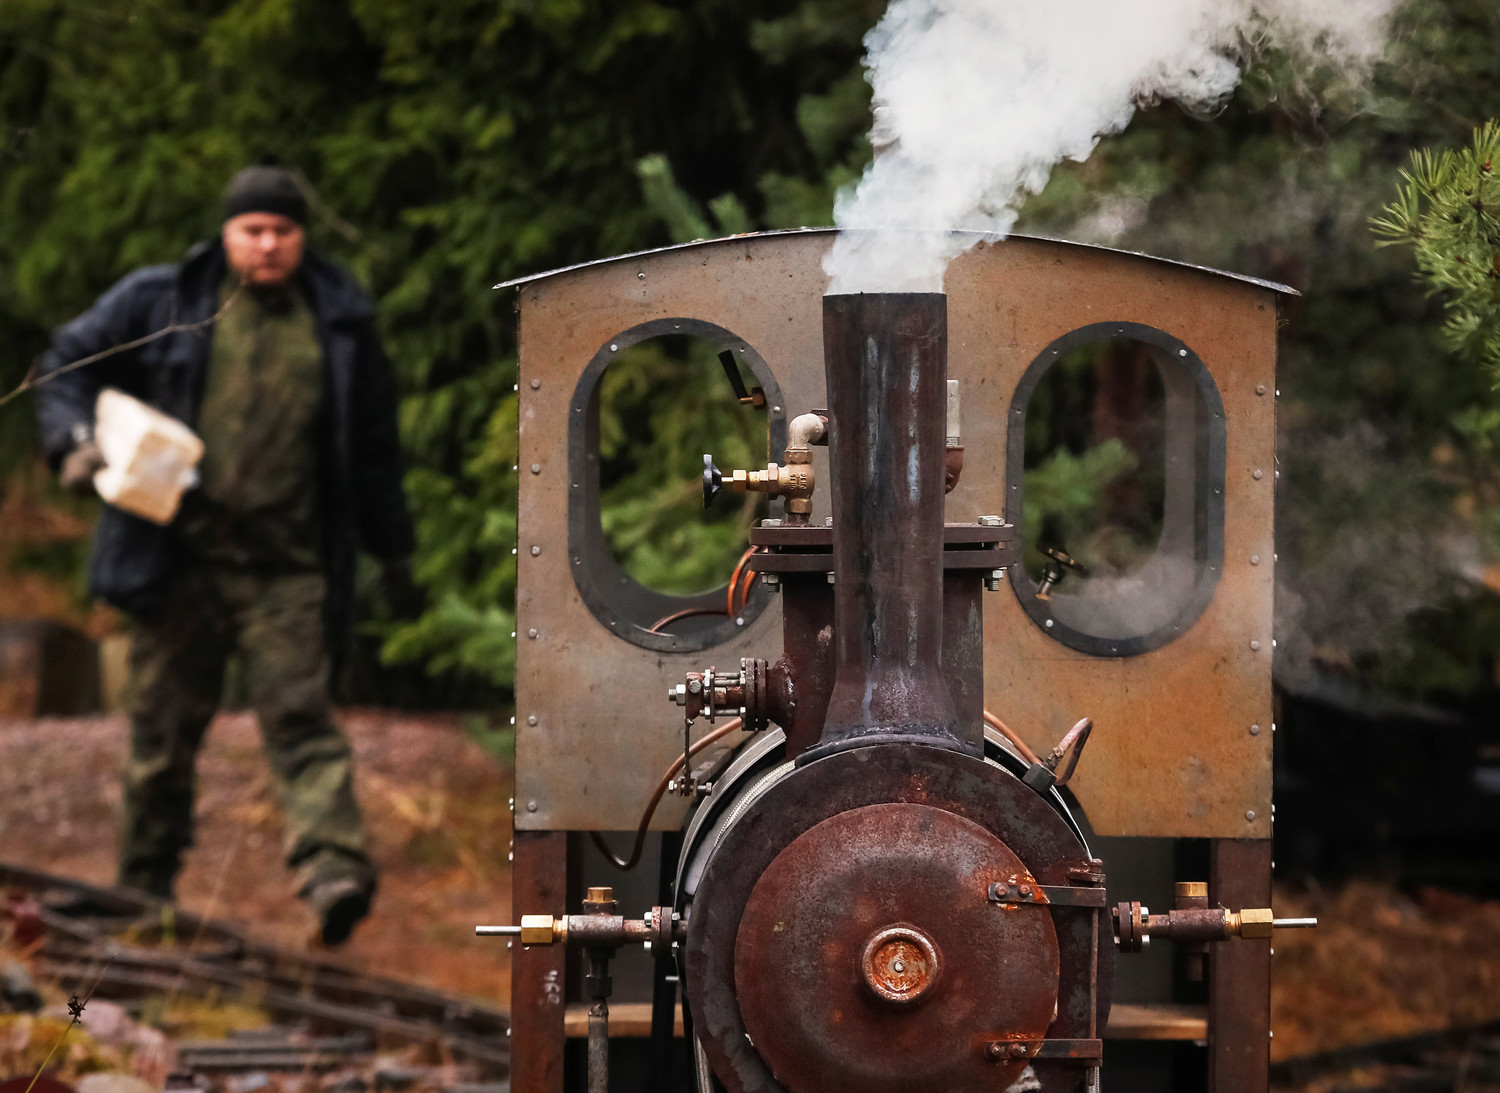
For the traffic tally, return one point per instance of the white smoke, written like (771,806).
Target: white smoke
(977,100)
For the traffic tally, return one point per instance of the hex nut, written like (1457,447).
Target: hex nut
(1255,923)
(537,930)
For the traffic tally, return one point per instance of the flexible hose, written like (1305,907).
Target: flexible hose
(656,796)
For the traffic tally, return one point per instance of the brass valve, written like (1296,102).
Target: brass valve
(794,482)
(1135,925)
(597,928)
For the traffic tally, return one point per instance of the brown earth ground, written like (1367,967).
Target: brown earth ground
(436,806)
(1382,964)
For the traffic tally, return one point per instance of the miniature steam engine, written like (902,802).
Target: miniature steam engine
(881,862)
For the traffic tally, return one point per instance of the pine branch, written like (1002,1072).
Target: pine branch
(1447,208)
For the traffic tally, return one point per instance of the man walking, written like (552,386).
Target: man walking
(273,359)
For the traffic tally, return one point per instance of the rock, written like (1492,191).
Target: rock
(18,992)
(100,1082)
(109,1023)
(248,1083)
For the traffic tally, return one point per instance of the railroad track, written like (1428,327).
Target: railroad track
(1452,1061)
(134,947)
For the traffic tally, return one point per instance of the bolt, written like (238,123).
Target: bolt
(828,521)
(1254,730)
(1250,815)
(530,806)
(1025,890)
(1259,474)
(535,551)
(531,633)
(536,385)
(694,686)
(1260,389)
(898,966)
(1048,624)
(991,521)
(830,578)
(1254,646)
(531,720)
(536,468)
(1017,1051)
(994,1051)
(1254,559)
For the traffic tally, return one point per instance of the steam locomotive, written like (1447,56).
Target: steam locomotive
(929,734)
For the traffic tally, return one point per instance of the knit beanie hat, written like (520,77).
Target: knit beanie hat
(265,189)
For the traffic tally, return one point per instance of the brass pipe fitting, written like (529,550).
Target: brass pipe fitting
(793,482)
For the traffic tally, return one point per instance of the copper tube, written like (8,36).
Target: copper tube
(656,796)
(1006,731)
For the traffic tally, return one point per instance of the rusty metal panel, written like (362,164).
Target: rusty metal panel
(537,1003)
(1173,754)
(1239,980)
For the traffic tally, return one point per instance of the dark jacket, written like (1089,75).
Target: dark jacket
(133,560)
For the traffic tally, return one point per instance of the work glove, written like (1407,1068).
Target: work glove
(78,467)
(400,592)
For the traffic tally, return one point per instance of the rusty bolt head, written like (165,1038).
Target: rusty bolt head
(995,1050)
(1017,1051)
(900,964)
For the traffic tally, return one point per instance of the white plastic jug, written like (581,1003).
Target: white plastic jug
(150,458)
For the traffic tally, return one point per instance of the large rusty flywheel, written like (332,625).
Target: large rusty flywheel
(870,959)
(843,937)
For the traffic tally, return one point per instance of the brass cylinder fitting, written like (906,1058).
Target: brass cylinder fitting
(1252,923)
(543,930)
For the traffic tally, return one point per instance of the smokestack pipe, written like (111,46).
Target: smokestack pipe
(886,363)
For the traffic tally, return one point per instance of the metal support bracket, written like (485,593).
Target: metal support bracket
(1083,1052)
(1053,895)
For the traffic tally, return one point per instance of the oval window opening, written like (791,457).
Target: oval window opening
(1095,483)
(648,560)
(1117,454)
(663,403)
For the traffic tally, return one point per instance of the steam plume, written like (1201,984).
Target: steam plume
(976,100)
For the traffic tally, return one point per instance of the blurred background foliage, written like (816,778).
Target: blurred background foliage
(453,144)
(663,404)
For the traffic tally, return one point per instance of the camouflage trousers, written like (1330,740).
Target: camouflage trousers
(178,657)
